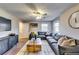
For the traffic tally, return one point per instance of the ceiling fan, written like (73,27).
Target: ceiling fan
(39,15)
(36,12)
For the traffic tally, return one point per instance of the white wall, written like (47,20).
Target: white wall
(65,29)
(14,24)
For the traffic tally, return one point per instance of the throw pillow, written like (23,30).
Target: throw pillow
(61,40)
(68,43)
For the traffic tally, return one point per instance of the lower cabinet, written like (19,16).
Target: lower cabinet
(12,41)
(3,45)
(6,43)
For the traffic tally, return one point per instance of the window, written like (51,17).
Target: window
(56,27)
(44,27)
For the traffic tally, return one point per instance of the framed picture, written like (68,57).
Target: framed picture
(34,24)
(5,24)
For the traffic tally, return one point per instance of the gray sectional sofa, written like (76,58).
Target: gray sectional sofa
(7,43)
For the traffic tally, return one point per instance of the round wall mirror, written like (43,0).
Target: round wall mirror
(73,20)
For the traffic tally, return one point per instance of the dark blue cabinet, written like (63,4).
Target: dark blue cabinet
(12,41)
(7,43)
(3,45)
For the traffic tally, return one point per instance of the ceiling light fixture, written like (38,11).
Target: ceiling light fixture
(39,15)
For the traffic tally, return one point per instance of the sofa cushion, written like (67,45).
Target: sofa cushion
(55,48)
(48,34)
(56,36)
(41,33)
(51,40)
(49,37)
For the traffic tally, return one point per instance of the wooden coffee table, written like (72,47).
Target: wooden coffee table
(34,46)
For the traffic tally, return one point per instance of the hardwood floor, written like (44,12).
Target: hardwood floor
(46,50)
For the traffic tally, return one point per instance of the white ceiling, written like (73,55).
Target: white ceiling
(24,10)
